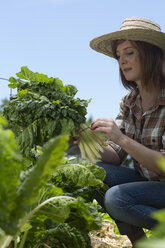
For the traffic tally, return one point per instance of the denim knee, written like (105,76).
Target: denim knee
(112,201)
(112,204)
(125,207)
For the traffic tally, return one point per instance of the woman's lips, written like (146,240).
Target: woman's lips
(127,69)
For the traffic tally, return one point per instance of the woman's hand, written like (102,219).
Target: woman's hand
(109,128)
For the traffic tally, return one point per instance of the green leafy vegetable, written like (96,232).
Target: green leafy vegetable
(10,168)
(43,108)
(16,197)
(28,191)
(63,233)
(82,175)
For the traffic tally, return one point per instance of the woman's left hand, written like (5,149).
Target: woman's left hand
(108,127)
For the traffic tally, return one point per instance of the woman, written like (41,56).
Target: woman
(139,130)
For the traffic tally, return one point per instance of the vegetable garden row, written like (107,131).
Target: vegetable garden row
(45,196)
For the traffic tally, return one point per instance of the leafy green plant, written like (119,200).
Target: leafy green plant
(80,174)
(18,198)
(27,205)
(42,109)
(52,195)
(63,235)
(71,208)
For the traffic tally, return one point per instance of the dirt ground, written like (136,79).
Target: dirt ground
(106,238)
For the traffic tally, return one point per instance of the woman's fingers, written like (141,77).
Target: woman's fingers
(108,127)
(101,123)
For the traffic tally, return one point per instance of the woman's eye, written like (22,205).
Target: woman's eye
(126,54)
(129,53)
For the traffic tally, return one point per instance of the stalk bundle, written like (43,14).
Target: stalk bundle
(91,144)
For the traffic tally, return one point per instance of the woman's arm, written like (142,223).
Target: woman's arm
(145,156)
(110,156)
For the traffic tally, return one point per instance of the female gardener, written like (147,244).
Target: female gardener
(139,129)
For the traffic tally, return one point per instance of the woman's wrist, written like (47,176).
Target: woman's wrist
(123,141)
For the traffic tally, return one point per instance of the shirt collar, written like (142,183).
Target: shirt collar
(134,98)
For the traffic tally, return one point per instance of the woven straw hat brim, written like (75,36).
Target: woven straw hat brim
(102,43)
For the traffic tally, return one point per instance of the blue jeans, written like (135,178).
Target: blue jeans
(131,199)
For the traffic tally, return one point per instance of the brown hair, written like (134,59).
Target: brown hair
(151,58)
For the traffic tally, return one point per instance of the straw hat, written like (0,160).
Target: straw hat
(133,28)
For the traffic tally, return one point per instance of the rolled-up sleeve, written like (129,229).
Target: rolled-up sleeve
(163,142)
(121,153)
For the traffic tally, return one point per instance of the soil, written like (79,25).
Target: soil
(106,238)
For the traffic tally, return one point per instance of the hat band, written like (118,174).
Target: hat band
(131,24)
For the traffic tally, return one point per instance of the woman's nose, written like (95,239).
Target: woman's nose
(123,59)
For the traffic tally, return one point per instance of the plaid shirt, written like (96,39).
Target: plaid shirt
(147,128)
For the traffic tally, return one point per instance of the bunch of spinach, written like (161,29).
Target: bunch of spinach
(42,109)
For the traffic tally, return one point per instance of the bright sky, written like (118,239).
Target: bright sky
(52,37)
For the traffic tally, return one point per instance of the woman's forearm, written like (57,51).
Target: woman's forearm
(145,156)
(110,156)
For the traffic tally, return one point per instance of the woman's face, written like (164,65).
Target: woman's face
(129,61)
